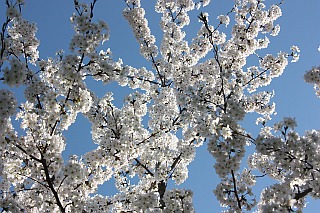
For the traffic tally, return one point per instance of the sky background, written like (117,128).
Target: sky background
(293,97)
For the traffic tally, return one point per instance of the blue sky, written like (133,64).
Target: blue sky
(299,26)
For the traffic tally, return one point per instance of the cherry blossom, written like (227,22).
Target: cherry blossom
(197,91)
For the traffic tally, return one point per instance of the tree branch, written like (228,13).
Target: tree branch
(235,189)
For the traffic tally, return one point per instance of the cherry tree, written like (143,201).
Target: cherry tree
(197,92)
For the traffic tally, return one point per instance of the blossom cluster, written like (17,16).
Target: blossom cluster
(313,77)
(135,16)
(88,35)
(22,40)
(291,159)
(198,91)
(8,106)
(16,75)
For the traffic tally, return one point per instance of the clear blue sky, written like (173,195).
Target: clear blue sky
(299,26)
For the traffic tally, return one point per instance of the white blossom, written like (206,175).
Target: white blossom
(194,91)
